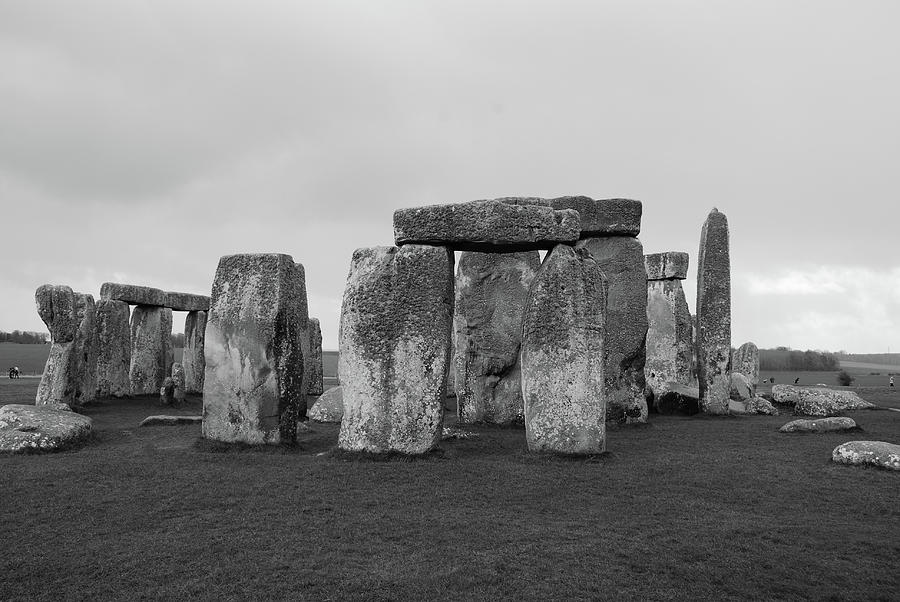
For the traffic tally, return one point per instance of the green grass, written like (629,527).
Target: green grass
(685,508)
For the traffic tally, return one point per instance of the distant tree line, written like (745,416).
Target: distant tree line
(25,337)
(785,359)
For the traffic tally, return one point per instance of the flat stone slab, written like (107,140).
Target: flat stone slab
(329,407)
(786,394)
(671,265)
(166,420)
(603,217)
(754,405)
(133,294)
(818,401)
(874,453)
(822,425)
(186,301)
(495,225)
(25,428)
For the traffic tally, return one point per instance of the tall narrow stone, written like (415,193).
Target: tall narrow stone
(192,357)
(114,357)
(151,348)
(86,349)
(562,355)
(396,322)
(621,259)
(253,386)
(745,360)
(316,376)
(669,344)
(56,306)
(491,290)
(714,315)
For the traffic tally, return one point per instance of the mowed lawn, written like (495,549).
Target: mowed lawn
(683,508)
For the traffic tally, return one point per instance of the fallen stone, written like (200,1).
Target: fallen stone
(755,405)
(133,294)
(745,360)
(562,355)
(603,217)
(166,420)
(452,432)
(669,345)
(740,389)
(396,322)
(486,226)
(114,355)
(786,394)
(329,407)
(714,314)
(672,265)
(253,390)
(621,260)
(25,428)
(316,376)
(822,425)
(816,401)
(151,348)
(192,358)
(677,398)
(186,301)
(491,290)
(874,453)
(178,382)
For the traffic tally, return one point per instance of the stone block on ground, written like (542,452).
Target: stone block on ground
(491,291)
(316,374)
(740,389)
(168,420)
(786,394)
(329,407)
(819,401)
(562,355)
(151,348)
(186,301)
(114,353)
(669,348)
(133,294)
(26,428)
(671,265)
(874,453)
(178,382)
(396,323)
(745,360)
(167,392)
(755,405)
(822,425)
(714,314)
(192,358)
(486,226)
(621,260)
(603,217)
(253,390)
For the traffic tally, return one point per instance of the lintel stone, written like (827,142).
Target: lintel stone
(671,265)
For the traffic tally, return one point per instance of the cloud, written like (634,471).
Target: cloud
(821,281)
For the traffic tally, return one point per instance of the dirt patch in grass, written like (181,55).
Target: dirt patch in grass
(686,508)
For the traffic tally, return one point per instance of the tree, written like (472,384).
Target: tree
(844,379)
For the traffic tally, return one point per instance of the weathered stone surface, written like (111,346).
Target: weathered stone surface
(166,420)
(875,453)
(818,401)
(86,349)
(491,290)
(669,345)
(740,389)
(151,348)
(25,428)
(676,398)
(167,391)
(714,314)
(562,355)
(114,354)
(822,425)
(755,405)
(133,294)
(621,259)
(396,323)
(178,382)
(786,394)
(745,360)
(253,390)
(186,301)
(56,307)
(672,265)
(316,374)
(192,358)
(329,407)
(603,217)
(486,226)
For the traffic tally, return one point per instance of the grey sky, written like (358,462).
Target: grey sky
(140,141)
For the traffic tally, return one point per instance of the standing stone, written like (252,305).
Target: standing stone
(745,360)
(192,356)
(669,345)
(621,259)
(114,357)
(562,355)
(56,306)
(396,322)
(714,315)
(151,348)
(178,381)
(167,391)
(316,375)
(254,388)
(491,290)
(85,349)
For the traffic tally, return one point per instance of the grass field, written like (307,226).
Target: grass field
(684,508)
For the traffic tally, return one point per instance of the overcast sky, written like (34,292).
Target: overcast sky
(140,141)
